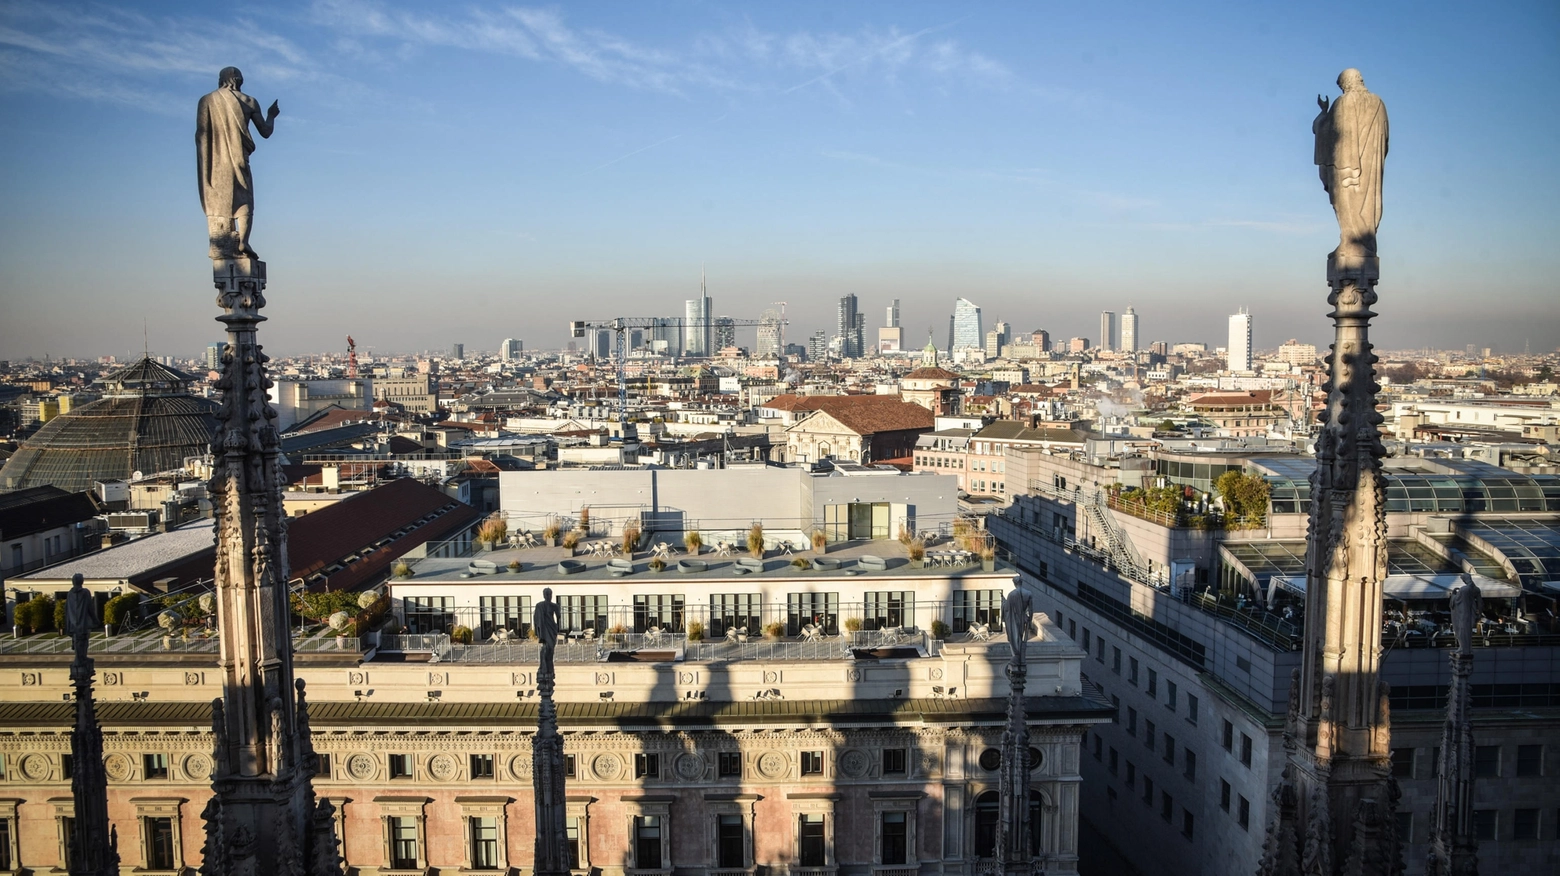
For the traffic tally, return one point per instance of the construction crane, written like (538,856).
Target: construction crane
(351,358)
(620,327)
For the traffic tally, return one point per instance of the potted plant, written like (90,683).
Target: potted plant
(119,609)
(492,531)
(402,569)
(630,539)
(939,630)
(917,551)
(755,541)
(514,565)
(657,564)
(820,542)
(462,635)
(550,534)
(905,535)
(801,564)
(616,633)
(692,540)
(853,624)
(695,631)
(584,523)
(988,559)
(774,630)
(571,540)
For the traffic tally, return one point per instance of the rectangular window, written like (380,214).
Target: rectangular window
(1530,761)
(1229,736)
(1405,826)
(68,768)
(155,766)
(481,766)
(509,613)
(1245,813)
(647,766)
(577,613)
(818,609)
(885,609)
(1189,768)
(1484,825)
(1072,630)
(1486,761)
(1245,750)
(1153,683)
(1524,824)
(1191,708)
(1099,649)
(647,842)
(662,611)
(1186,824)
(730,839)
(730,764)
(1148,791)
(809,839)
(1224,795)
(1131,775)
(895,834)
(893,761)
(736,611)
(324,760)
(568,766)
(1086,640)
(5,845)
(1098,744)
(1170,695)
(400,766)
(812,763)
(572,831)
(1112,763)
(1149,741)
(1169,749)
(484,843)
(159,843)
(1403,763)
(1115,660)
(429,614)
(1131,721)
(1132,670)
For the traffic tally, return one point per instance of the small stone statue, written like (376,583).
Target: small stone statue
(222,147)
(1351,148)
(1467,605)
(1018,618)
(544,620)
(80,614)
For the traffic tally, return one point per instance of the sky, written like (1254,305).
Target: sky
(469,172)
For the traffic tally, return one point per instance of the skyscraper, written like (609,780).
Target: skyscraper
(601,344)
(893,315)
(1110,339)
(967,331)
(818,347)
(1042,339)
(768,334)
(1129,331)
(214,356)
(457,351)
(850,325)
(1240,341)
(725,334)
(510,349)
(999,336)
(666,336)
(698,334)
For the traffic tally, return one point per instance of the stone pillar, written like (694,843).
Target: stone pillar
(1454,849)
(1013,853)
(547,767)
(95,839)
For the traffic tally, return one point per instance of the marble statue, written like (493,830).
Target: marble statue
(1467,606)
(80,614)
(544,620)
(1351,147)
(1018,618)
(222,147)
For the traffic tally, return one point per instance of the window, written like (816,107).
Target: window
(6,863)
(568,766)
(1099,649)
(1403,763)
(68,769)
(1098,743)
(1189,768)
(647,842)
(482,766)
(400,766)
(1405,826)
(67,847)
(1132,670)
(1170,695)
(729,764)
(893,761)
(735,611)
(1530,761)
(582,613)
(1486,762)
(1148,736)
(894,834)
(647,766)
(1131,721)
(730,841)
(324,762)
(977,607)
(1191,708)
(1224,795)
(812,765)
(1186,824)
(987,813)
(888,608)
(810,840)
(1086,643)
(572,831)
(663,611)
(1245,750)
(1115,660)
(484,843)
(512,613)
(429,614)
(403,842)
(1153,683)
(155,766)
(1245,813)
(1112,762)
(1169,749)
(1148,791)
(1131,775)
(818,609)
(1072,630)
(1484,826)
(1524,824)
(159,841)
(1229,736)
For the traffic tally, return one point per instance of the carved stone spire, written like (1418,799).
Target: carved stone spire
(1334,810)
(1014,855)
(93,836)
(547,764)
(1454,849)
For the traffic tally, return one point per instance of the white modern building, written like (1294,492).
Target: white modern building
(1109,337)
(1240,341)
(967,331)
(1129,331)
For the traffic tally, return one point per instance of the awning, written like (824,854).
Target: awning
(1413,586)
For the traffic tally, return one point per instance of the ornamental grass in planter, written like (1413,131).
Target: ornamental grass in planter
(755,541)
(630,539)
(774,630)
(692,540)
(916,548)
(550,534)
(820,542)
(571,539)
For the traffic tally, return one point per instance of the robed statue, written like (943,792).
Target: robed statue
(1467,605)
(1351,147)
(222,147)
(544,622)
(1018,619)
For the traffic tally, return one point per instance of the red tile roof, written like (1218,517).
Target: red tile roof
(869,414)
(323,538)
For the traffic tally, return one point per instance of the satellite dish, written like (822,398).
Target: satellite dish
(136,476)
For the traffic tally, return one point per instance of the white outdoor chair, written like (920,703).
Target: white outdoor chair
(811,633)
(980,632)
(722,549)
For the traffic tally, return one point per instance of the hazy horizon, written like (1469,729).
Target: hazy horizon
(443,175)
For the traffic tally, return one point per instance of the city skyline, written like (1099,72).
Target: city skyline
(805,159)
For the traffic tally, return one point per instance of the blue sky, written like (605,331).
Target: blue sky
(474,171)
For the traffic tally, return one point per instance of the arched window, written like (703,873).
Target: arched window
(987,813)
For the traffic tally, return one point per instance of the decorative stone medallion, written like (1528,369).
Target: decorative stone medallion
(34,767)
(854,763)
(853,675)
(689,766)
(772,764)
(198,767)
(929,763)
(117,767)
(362,767)
(607,766)
(936,674)
(442,767)
(520,766)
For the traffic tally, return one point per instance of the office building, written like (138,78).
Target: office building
(699,328)
(666,336)
(1041,338)
(600,344)
(892,318)
(214,356)
(1129,331)
(768,334)
(818,347)
(967,333)
(457,351)
(1295,353)
(849,328)
(997,338)
(725,334)
(1078,345)
(1239,348)
(510,350)
(1109,331)
(890,340)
